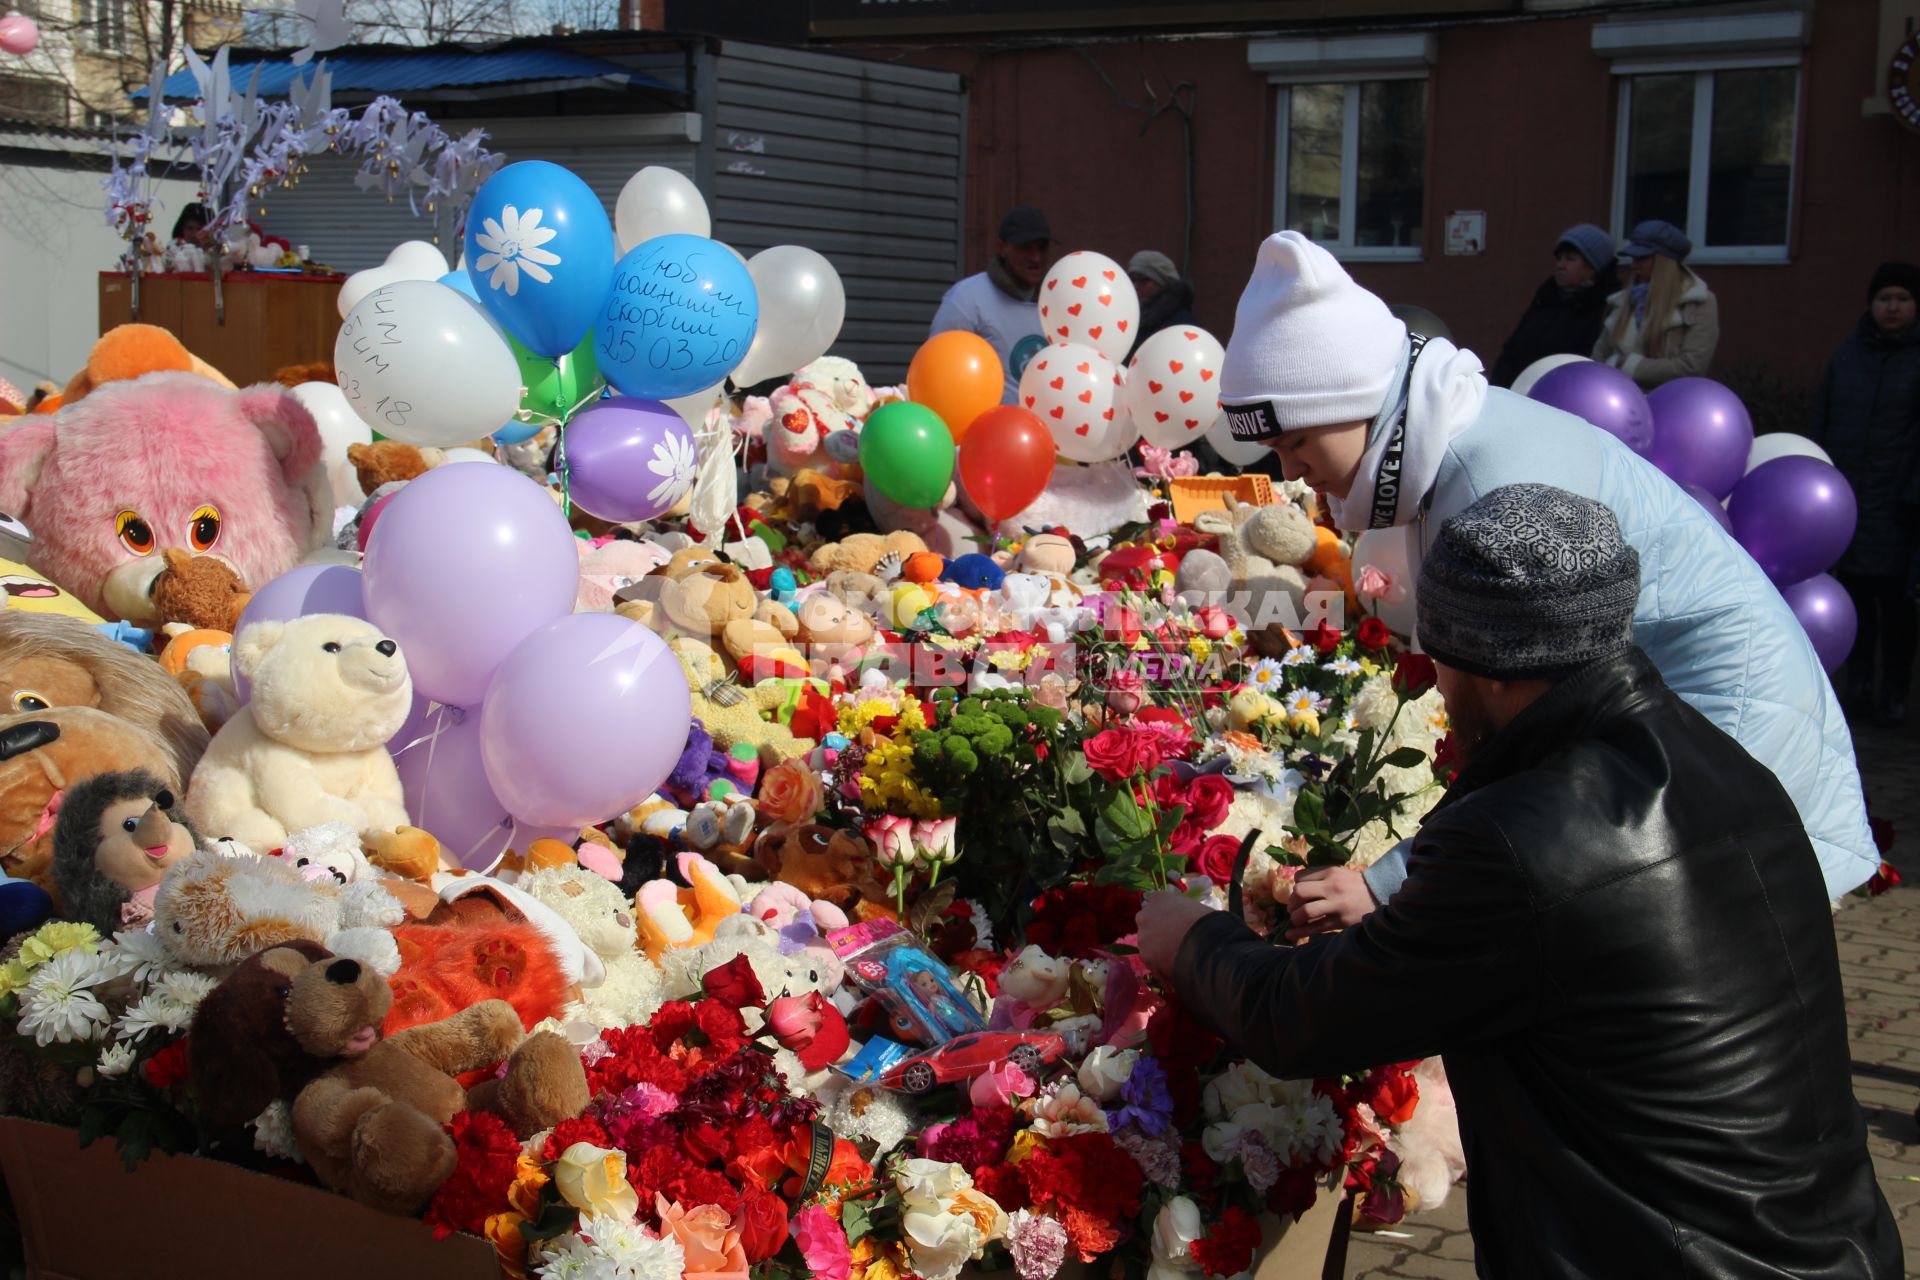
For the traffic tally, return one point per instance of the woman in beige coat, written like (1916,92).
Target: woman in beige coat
(1665,324)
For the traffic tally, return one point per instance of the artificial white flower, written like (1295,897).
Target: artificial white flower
(1267,676)
(115,1061)
(1343,667)
(512,245)
(1298,654)
(273,1132)
(57,1007)
(153,1012)
(676,463)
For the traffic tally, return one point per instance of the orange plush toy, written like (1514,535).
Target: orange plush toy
(127,352)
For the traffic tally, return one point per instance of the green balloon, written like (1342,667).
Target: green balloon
(555,387)
(907,451)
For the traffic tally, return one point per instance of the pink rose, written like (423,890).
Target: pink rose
(1372,582)
(1126,692)
(1000,1086)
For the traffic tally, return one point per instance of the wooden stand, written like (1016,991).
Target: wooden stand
(272,320)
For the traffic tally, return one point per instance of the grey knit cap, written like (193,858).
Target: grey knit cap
(1528,581)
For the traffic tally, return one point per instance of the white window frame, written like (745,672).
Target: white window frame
(1704,45)
(1350,62)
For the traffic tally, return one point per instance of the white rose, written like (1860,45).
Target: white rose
(1174,1232)
(941,1243)
(1236,1087)
(1106,1070)
(927,1183)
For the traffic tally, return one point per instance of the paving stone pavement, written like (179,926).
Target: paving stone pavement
(1880,965)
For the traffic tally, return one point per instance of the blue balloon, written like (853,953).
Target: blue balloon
(462,281)
(680,318)
(539,251)
(516,432)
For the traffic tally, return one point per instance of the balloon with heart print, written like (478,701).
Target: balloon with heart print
(1173,386)
(1075,391)
(1087,298)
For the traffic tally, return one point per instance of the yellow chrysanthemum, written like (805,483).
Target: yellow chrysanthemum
(58,936)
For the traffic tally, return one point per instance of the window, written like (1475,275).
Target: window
(1354,175)
(106,24)
(1351,123)
(1709,108)
(1712,153)
(26,98)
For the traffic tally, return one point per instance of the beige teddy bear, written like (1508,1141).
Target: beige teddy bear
(603,917)
(1265,549)
(328,691)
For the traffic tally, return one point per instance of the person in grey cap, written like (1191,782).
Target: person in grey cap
(998,303)
(1166,296)
(1666,323)
(1613,928)
(1564,316)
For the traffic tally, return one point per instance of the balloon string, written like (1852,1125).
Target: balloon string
(437,712)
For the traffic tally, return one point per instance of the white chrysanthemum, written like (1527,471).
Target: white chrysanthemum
(675,462)
(1256,811)
(57,1007)
(600,1248)
(1422,723)
(1392,780)
(273,1132)
(512,245)
(140,953)
(1298,654)
(1343,667)
(1374,705)
(187,989)
(153,1012)
(115,1061)
(1371,842)
(1267,676)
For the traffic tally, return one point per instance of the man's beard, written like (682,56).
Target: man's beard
(1470,727)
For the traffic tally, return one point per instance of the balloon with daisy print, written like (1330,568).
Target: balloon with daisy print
(540,254)
(626,459)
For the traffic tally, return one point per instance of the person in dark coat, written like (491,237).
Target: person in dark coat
(1614,928)
(1565,315)
(1867,418)
(1166,297)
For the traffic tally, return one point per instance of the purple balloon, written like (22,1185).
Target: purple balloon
(304,589)
(628,459)
(1712,504)
(584,720)
(1826,611)
(1604,396)
(466,562)
(438,757)
(1701,434)
(1794,515)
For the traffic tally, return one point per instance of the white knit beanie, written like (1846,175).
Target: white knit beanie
(1310,347)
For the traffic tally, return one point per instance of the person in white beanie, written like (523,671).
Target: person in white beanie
(1402,431)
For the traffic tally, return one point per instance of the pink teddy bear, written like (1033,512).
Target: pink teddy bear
(166,460)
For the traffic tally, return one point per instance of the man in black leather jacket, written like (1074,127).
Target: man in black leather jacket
(1614,929)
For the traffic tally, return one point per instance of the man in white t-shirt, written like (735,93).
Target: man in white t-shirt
(998,304)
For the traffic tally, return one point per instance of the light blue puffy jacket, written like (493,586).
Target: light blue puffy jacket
(1708,617)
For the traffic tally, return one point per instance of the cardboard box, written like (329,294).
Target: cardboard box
(84,1217)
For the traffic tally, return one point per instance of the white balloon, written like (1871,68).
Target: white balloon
(693,407)
(802,304)
(339,427)
(1235,453)
(659,202)
(1173,386)
(410,260)
(1076,392)
(1783,444)
(420,363)
(1087,298)
(468,455)
(1387,552)
(1539,369)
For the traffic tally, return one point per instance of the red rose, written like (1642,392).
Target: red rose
(1373,634)
(1326,638)
(1209,796)
(763,1225)
(1216,858)
(734,984)
(1114,754)
(1413,675)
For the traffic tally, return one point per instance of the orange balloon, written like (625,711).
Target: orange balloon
(1006,460)
(958,375)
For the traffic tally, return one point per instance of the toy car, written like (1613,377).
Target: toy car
(973,1055)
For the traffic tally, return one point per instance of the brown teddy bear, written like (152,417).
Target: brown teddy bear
(369,1112)
(202,593)
(390,461)
(864,552)
(824,862)
(78,705)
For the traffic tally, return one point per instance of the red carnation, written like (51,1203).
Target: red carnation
(168,1067)
(485,1153)
(579,1129)
(1228,1249)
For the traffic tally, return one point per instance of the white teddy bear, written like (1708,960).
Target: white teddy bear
(1263,549)
(602,916)
(310,747)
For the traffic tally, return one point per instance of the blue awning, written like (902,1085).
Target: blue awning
(426,69)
